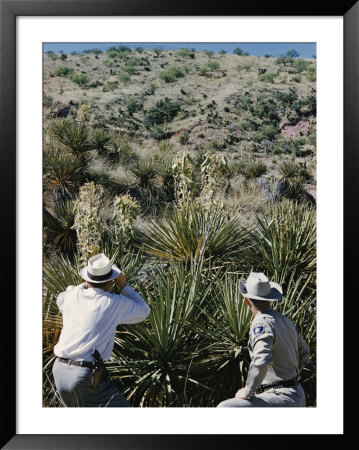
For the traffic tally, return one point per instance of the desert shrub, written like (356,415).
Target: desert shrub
(213,65)
(52,55)
(79,78)
(171,74)
(47,101)
(110,86)
(165,146)
(121,149)
(130,69)
(296,79)
(204,70)
(268,77)
(241,67)
(63,71)
(139,49)
(112,54)
(184,138)
(300,65)
(157,51)
(285,60)
(185,53)
(158,133)
(209,53)
(124,76)
(163,111)
(107,63)
(238,51)
(151,89)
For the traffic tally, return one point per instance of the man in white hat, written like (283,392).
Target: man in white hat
(278,352)
(90,317)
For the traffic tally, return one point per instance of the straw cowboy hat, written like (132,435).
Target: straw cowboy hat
(99,270)
(258,287)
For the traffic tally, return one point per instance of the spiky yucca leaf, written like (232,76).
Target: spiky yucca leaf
(154,357)
(187,233)
(63,173)
(284,241)
(75,137)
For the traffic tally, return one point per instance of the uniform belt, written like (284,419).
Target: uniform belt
(278,385)
(70,362)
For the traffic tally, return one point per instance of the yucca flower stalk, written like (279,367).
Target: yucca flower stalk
(125,211)
(88,223)
(184,180)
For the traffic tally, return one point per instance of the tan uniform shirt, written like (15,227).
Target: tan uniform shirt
(277,350)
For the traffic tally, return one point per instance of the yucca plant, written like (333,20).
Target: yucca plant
(153,358)
(288,169)
(188,233)
(145,171)
(121,149)
(101,141)
(299,303)
(254,170)
(223,358)
(63,173)
(284,241)
(74,136)
(58,227)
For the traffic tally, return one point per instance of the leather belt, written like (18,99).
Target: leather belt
(70,362)
(278,385)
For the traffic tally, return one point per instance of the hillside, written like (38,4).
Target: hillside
(246,108)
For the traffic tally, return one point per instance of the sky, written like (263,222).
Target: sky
(305,49)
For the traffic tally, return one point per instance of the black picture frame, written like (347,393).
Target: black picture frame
(9,10)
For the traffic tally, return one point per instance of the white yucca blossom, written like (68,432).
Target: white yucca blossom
(88,223)
(210,174)
(183,169)
(125,211)
(81,115)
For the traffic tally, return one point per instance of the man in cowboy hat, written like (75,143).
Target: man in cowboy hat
(90,317)
(278,352)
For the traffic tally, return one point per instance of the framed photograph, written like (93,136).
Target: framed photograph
(38,39)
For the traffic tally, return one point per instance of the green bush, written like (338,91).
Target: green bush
(268,77)
(79,78)
(163,111)
(63,71)
(124,76)
(171,74)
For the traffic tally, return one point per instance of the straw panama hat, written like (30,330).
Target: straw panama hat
(258,287)
(99,270)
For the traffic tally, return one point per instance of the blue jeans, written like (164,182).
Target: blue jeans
(73,384)
(285,397)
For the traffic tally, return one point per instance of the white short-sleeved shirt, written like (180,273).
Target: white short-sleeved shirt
(90,318)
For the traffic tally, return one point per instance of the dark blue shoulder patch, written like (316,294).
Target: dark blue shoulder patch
(258,330)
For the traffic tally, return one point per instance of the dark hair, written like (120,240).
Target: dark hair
(261,304)
(98,285)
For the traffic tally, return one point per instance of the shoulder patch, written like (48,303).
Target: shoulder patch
(258,330)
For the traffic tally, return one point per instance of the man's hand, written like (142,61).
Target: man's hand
(121,281)
(240,394)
